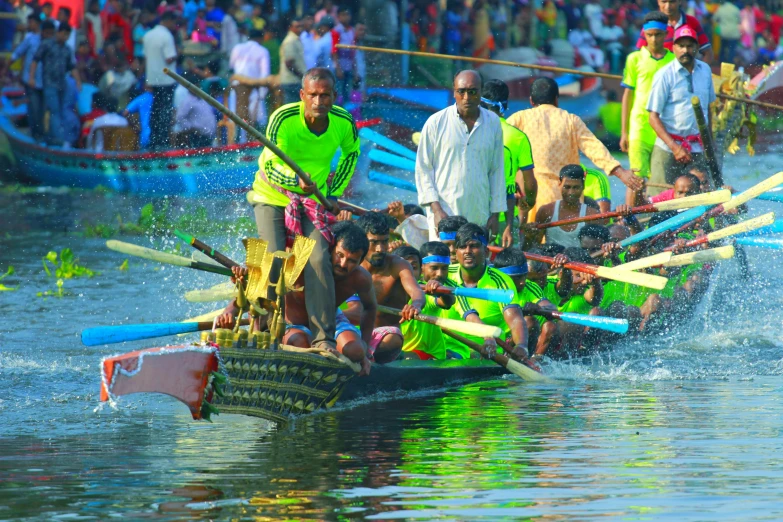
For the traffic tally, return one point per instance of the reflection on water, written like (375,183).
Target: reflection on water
(685,425)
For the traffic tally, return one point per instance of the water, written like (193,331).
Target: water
(682,426)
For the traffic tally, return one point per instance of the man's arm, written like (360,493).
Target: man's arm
(497,178)
(33,68)
(598,154)
(349,154)
(412,288)
(627,104)
(369,308)
(516,323)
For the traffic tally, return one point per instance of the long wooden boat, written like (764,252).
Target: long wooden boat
(274,384)
(209,170)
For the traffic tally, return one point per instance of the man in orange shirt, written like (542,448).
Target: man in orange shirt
(556,137)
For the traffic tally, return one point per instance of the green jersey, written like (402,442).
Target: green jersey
(288,130)
(425,337)
(640,68)
(517,155)
(597,185)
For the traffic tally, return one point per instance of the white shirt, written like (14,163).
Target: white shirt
(670,97)
(95,138)
(323,51)
(310,51)
(229,34)
(158,48)
(252,59)
(581,38)
(461,170)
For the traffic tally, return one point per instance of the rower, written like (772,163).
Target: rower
(423,340)
(350,279)
(597,189)
(638,137)
(592,237)
(517,159)
(394,285)
(447,233)
(556,137)
(678,147)
(472,271)
(541,331)
(587,291)
(572,183)
(309,132)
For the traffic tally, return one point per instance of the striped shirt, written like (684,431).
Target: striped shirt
(288,130)
(461,169)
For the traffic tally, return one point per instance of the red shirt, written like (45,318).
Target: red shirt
(666,195)
(694,24)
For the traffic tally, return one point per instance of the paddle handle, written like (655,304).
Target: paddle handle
(523,371)
(487,294)
(207,250)
(476,329)
(571,265)
(642,209)
(195,91)
(136,332)
(357,210)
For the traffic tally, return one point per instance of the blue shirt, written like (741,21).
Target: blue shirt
(672,89)
(143,105)
(27,50)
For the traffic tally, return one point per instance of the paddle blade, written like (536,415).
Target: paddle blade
(745,226)
(754,191)
(387,143)
(133,332)
(671,223)
(487,294)
(147,253)
(702,256)
(464,327)
(525,372)
(763,242)
(715,197)
(646,262)
(610,324)
(221,292)
(635,278)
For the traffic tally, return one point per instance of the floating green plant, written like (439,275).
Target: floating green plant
(65,266)
(4,288)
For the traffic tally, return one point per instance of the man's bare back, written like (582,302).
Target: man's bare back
(356,282)
(388,287)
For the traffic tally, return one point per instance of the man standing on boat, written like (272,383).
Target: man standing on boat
(678,148)
(160,52)
(459,165)
(556,138)
(309,132)
(677,18)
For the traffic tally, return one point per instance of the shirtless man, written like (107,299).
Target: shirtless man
(394,284)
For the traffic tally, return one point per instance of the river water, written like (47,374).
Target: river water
(685,425)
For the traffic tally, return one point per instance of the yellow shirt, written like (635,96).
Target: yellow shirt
(556,137)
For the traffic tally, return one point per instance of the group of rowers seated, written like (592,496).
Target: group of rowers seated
(368,274)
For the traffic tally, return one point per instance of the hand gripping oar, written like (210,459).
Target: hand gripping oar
(475,329)
(163,257)
(610,324)
(702,256)
(708,198)
(624,276)
(487,294)
(198,93)
(521,370)
(135,332)
(206,249)
(745,226)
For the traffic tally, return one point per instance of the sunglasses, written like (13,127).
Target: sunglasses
(469,92)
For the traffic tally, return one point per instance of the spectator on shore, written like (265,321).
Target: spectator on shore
(308,41)
(678,18)
(344,59)
(94,26)
(94,140)
(292,66)
(585,44)
(196,120)
(64,16)
(161,52)
(252,60)
(141,105)
(324,43)
(33,90)
(229,31)
(728,21)
(117,82)
(453,21)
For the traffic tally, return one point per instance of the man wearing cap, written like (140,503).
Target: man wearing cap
(676,19)
(678,147)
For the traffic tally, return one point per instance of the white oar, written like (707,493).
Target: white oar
(464,327)
(221,292)
(646,262)
(702,256)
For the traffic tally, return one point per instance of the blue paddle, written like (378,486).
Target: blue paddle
(387,143)
(673,222)
(777,198)
(764,242)
(609,324)
(392,160)
(487,294)
(135,332)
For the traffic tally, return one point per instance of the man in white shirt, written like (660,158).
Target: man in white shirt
(678,148)
(324,43)
(459,164)
(161,52)
(585,44)
(110,119)
(229,31)
(308,42)
(292,65)
(251,59)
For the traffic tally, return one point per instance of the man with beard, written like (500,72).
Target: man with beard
(394,284)
(678,147)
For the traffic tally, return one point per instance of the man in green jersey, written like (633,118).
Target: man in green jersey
(447,233)
(597,188)
(309,132)
(517,158)
(638,137)
(472,271)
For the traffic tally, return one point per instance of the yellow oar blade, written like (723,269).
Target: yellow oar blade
(221,292)
(464,327)
(525,373)
(754,191)
(635,278)
(745,226)
(646,262)
(708,198)
(702,256)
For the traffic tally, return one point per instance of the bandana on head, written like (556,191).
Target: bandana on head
(447,236)
(514,270)
(501,106)
(436,259)
(654,25)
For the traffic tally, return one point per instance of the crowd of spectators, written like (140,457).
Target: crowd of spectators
(119,48)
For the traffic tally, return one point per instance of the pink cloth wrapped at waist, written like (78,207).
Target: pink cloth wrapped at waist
(378,334)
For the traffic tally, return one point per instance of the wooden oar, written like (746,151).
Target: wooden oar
(712,255)
(708,198)
(221,292)
(646,262)
(357,210)
(163,257)
(547,68)
(731,230)
(475,329)
(624,276)
(135,332)
(520,370)
(206,249)
(198,93)
(487,294)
